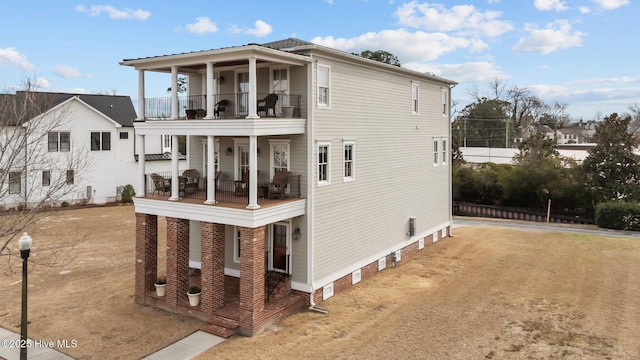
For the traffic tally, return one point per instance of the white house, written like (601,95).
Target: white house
(315,169)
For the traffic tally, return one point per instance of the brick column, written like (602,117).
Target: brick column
(212,268)
(177,260)
(251,279)
(146,254)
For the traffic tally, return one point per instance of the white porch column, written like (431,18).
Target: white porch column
(175,185)
(141,114)
(174,93)
(253,89)
(253,173)
(141,166)
(210,91)
(211,170)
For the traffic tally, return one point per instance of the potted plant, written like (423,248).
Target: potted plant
(161,285)
(194,295)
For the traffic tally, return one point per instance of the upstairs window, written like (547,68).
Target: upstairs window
(445,102)
(436,153)
(324,176)
(324,84)
(415,92)
(59,141)
(349,160)
(100,141)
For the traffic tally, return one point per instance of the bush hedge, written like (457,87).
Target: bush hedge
(128,193)
(618,216)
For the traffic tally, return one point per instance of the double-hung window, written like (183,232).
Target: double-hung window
(415,92)
(436,153)
(324,86)
(70,177)
(46,178)
(348,148)
(100,140)
(445,102)
(324,163)
(59,141)
(444,151)
(15,182)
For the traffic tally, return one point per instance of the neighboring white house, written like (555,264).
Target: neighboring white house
(86,140)
(316,169)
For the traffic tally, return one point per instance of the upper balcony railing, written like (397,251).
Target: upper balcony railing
(232,105)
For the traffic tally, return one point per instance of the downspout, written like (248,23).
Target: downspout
(451,163)
(310,184)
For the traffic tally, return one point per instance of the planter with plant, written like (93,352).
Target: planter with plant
(194,295)
(161,285)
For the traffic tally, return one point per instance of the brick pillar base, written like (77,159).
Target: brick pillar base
(146,255)
(177,261)
(212,268)
(251,279)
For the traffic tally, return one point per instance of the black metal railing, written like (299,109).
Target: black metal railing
(227,191)
(231,105)
(273,278)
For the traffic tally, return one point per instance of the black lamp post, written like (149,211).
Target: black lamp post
(24,244)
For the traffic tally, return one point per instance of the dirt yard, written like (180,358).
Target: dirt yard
(486,293)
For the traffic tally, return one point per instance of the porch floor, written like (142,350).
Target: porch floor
(238,202)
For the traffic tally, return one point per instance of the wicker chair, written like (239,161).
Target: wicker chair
(193,180)
(279,184)
(161,185)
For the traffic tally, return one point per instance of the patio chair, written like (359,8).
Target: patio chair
(161,185)
(269,102)
(242,186)
(221,107)
(193,180)
(278,185)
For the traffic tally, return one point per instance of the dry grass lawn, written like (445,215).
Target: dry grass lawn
(486,293)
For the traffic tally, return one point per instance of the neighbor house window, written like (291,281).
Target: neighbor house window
(324,84)
(70,175)
(444,151)
(59,141)
(124,135)
(415,92)
(15,182)
(348,148)
(324,176)
(100,140)
(435,153)
(445,102)
(46,177)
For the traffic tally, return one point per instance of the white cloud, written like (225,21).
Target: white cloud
(584,10)
(460,19)
(555,36)
(201,26)
(67,71)
(114,13)
(611,4)
(407,46)
(480,71)
(616,80)
(41,83)
(546,5)
(10,57)
(260,29)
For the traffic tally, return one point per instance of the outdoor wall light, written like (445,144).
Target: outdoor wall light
(229,151)
(296,233)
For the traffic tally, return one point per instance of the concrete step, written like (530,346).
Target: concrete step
(221,326)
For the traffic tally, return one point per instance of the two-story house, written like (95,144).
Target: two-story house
(314,169)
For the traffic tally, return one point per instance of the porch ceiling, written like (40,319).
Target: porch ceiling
(223,127)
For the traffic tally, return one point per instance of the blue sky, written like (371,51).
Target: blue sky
(580,52)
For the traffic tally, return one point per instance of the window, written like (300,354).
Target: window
(444,151)
(124,135)
(279,155)
(15,182)
(324,83)
(324,176)
(435,152)
(166,143)
(415,87)
(280,82)
(445,102)
(236,244)
(70,174)
(59,141)
(348,148)
(100,141)
(46,178)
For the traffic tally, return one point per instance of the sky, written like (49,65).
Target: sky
(583,53)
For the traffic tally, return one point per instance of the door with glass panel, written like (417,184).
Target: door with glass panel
(279,247)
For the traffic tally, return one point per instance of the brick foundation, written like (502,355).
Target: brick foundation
(146,255)
(177,261)
(212,268)
(252,296)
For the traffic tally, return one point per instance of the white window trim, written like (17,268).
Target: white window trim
(272,142)
(287,225)
(415,85)
(237,142)
(435,153)
(444,151)
(236,243)
(328,104)
(317,164)
(353,160)
(445,102)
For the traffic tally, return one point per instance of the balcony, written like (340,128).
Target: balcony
(228,106)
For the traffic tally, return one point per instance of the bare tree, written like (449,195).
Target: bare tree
(39,164)
(634,125)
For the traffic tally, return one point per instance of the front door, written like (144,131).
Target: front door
(279,247)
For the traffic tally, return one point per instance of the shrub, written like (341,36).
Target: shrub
(618,216)
(161,280)
(194,289)
(64,204)
(128,193)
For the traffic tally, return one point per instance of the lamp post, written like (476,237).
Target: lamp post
(24,243)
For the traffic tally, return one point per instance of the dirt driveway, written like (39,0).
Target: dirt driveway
(486,293)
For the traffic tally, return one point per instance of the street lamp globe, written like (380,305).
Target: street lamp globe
(24,243)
